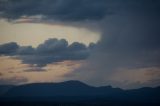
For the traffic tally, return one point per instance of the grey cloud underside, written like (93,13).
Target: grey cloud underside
(52,50)
(64,10)
(71,10)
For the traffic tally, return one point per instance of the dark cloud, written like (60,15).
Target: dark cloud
(25,50)
(69,10)
(52,46)
(72,10)
(129,41)
(52,50)
(8,48)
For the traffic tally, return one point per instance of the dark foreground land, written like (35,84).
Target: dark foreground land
(75,93)
(79,103)
(94,103)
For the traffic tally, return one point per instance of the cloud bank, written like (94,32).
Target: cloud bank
(69,10)
(52,50)
(129,42)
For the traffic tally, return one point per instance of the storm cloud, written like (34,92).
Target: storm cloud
(129,41)
(52,50)
(63,10)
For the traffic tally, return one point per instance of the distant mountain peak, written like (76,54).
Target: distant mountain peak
(74,82)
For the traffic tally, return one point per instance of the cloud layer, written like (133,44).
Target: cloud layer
(58,9)
(52,50)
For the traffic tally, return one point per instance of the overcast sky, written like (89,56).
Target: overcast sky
(99,42)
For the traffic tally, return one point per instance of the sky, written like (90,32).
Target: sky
(98,42)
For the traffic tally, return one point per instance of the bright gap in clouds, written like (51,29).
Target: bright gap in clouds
(35,33)
(18,73)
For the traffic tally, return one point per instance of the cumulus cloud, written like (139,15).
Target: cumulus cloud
(8,48)
(52,50)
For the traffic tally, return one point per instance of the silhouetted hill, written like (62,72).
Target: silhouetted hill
(68,88)
(5,88)
(76,91)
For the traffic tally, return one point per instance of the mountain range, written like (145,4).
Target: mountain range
(76,91)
